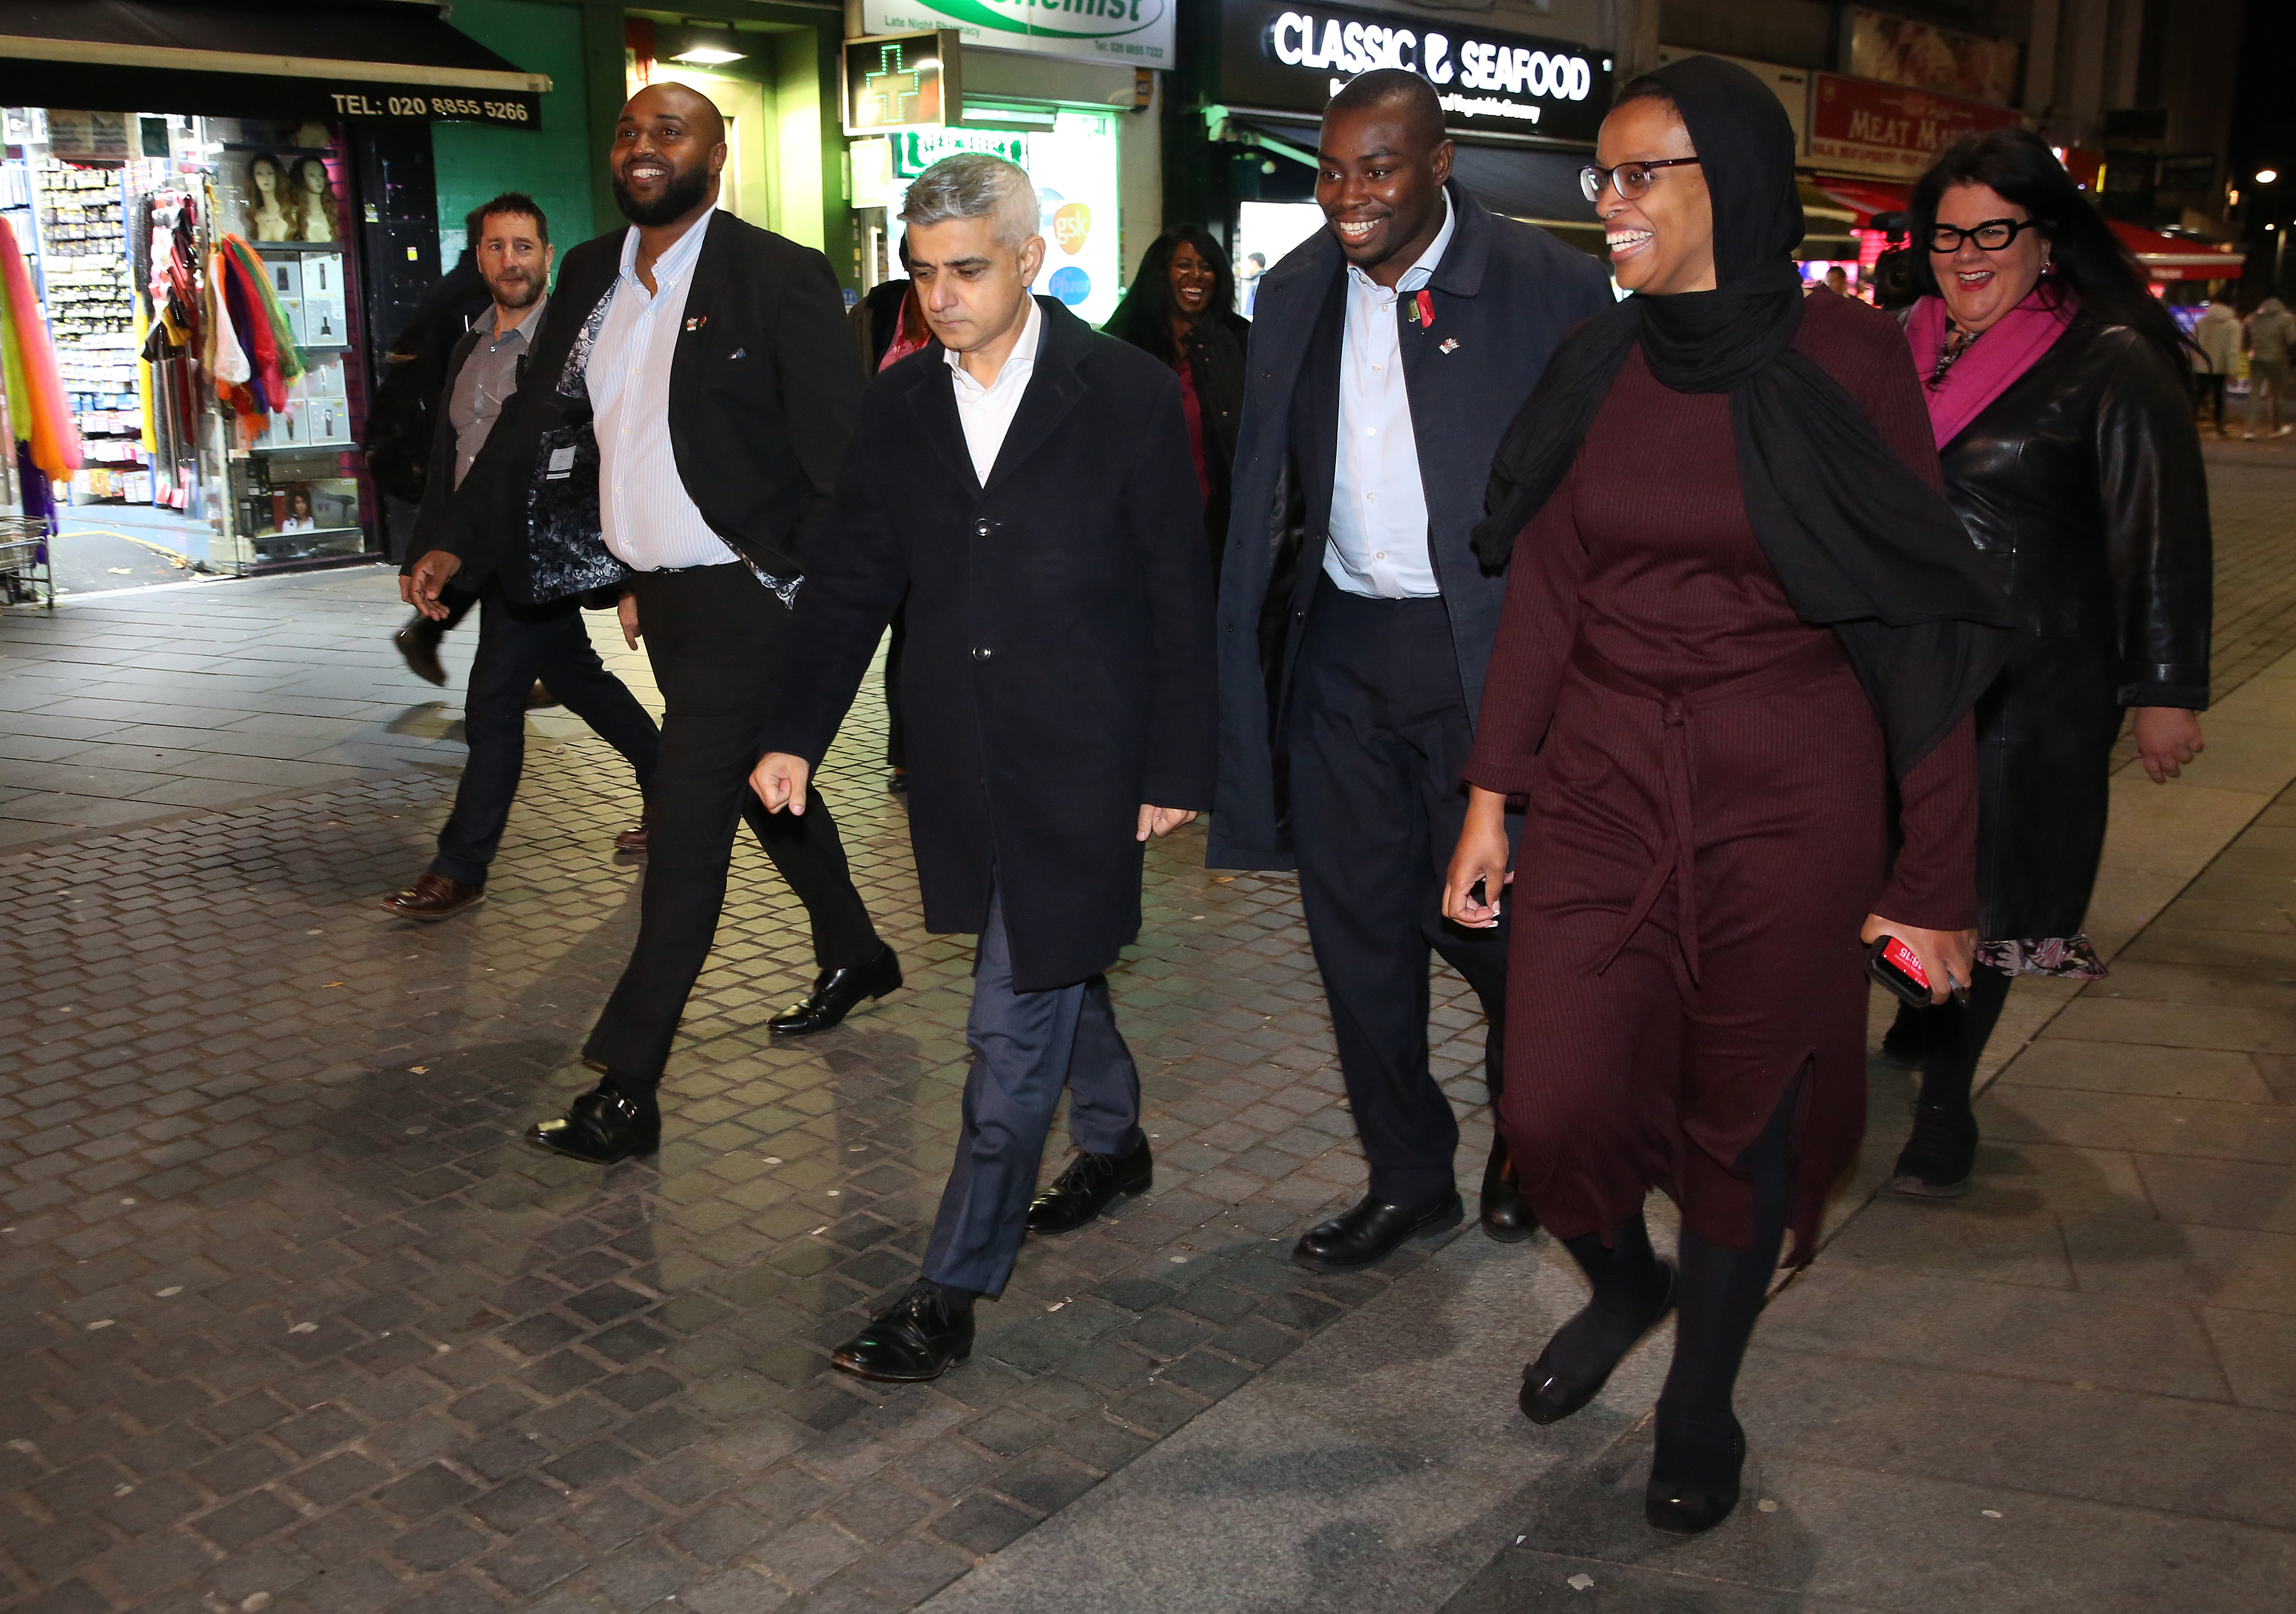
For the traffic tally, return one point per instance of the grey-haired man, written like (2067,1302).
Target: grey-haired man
(1057,681)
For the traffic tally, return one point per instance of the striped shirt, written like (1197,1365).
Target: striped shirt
(652,522)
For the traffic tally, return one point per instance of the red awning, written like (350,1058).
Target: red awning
(2176,257)
(1866,197)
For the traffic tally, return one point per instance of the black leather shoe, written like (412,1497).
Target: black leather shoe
(919,1337)
(1084,1189)
(1371,1230)
(1686,1509)
(1550,1395)
(1506,1216)
(417,644)
(1939,1158)
(602,1127)
(836,994)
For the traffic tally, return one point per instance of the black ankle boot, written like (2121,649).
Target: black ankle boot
(1938,1160)
(1694,1475)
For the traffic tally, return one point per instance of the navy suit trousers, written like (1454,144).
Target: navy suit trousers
(1027,1046)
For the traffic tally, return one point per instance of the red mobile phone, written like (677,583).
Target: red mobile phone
(1896,966)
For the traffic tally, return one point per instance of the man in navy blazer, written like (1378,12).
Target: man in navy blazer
(1388,353)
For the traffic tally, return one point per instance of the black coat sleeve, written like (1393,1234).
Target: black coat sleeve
(438,484)
(856,574)
(2154,491)
(1166,523)
(820,389)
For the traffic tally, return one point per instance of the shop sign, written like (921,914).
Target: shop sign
(1296,58)
(1861,127)
(1134,33)
(1924,56)
(512,108)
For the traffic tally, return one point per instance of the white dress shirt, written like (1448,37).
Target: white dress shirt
(652,522)
(986,412)
(1378,507)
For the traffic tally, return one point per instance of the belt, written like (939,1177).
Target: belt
(1677,862)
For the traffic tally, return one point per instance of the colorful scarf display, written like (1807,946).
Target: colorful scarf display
(1989,364)
(38,411)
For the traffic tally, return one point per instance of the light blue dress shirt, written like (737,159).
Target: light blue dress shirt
(1379,544)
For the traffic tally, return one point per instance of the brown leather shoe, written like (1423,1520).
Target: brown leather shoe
(434,897)
(632,843)
(418,644)
(539,696)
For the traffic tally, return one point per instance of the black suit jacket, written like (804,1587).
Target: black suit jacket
(1057,671)
(1504,296)
(762,389)
(439,479)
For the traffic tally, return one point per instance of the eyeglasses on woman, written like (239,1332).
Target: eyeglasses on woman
(1992,234)
(1632,180)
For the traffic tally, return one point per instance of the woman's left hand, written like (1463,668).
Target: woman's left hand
(1948,957)
(2168,737)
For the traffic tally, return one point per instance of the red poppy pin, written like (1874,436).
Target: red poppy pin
(1422,309)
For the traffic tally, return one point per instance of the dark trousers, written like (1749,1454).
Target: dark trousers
(1377,729)
(2210,386)
(517,645)
(1027,1046)
(714,636)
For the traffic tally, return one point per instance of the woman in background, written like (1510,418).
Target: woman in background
(2056,393)
(1182,309)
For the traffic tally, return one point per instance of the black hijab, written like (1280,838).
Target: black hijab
(1861,544)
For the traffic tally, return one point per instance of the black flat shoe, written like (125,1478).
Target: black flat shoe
(1371,1230)
(917,1338)
(1505,1215)
(836,994)
(417,643)
(1084,1189)
(1694,1506)
(1938,1160)
(1550,1395)
(602,1127)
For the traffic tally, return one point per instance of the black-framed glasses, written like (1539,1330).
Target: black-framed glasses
(1631,180)
(1992,234)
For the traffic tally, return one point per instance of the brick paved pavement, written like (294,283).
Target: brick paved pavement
(292,1321)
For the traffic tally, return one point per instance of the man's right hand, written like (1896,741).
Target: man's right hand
(430,575)
(626,612)
(779,779)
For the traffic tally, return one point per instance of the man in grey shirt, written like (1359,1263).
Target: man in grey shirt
(516,643)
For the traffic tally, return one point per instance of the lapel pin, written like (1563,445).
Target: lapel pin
(1422,312)
(697,322)
(1449,344)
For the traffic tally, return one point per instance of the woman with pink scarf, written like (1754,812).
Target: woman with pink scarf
(2056,393)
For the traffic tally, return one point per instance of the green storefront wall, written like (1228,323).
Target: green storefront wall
(562,164)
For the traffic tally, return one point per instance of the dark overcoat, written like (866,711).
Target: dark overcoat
(1504,296)
(762,387)
(1057,673)
(2083,480)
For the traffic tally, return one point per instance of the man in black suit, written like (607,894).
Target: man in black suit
(518,643)
(1388,353)
(1048,533)
(678,433)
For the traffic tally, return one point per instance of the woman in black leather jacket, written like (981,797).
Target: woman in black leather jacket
(1182,309)
(2056,386)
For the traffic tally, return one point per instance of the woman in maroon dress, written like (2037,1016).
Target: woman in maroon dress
(1738,607)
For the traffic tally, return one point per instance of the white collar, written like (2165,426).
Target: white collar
(1023,354)
(1422,271)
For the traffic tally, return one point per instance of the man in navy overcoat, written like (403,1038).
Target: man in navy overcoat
(1388,353)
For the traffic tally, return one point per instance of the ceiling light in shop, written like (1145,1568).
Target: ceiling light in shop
(706,47)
